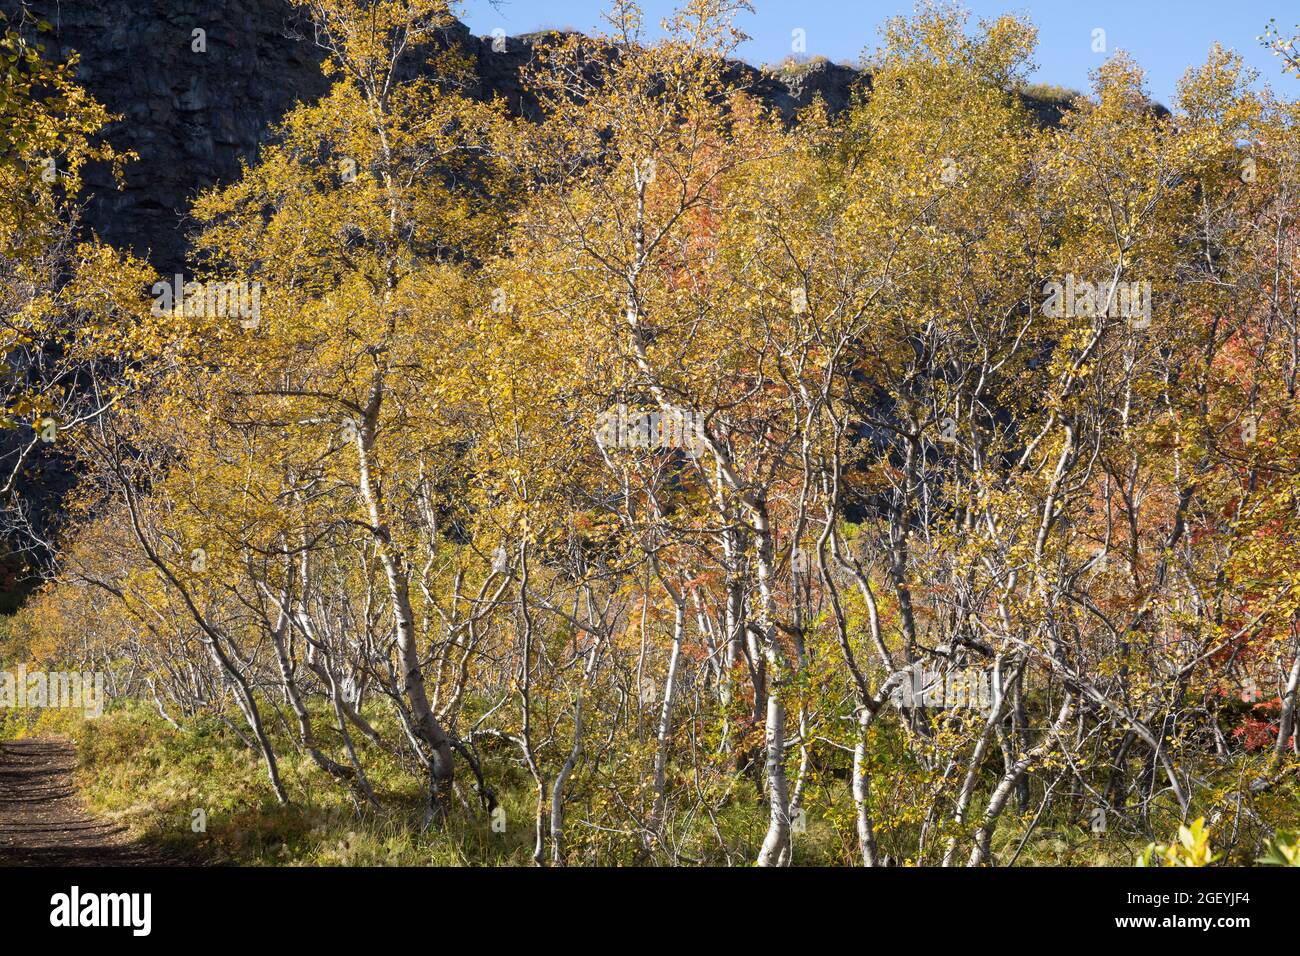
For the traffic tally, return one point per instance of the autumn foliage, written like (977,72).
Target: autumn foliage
(382,513)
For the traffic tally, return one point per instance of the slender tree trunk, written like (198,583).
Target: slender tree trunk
(1286,719)
(778,827)
(862,794)
(441,768)
(664,731)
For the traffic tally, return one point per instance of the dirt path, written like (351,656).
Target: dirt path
(42,823)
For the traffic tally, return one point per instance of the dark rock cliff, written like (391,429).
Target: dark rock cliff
(192,116)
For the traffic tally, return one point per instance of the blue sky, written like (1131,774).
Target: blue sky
(1166,36)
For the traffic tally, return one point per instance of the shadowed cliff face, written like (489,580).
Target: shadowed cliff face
(499,67)
(192,115)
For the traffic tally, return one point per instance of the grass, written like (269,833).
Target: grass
(138,771)
(202,794)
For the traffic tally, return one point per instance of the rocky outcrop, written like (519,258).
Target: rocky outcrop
(499,67)
(190,110)
(193,110)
